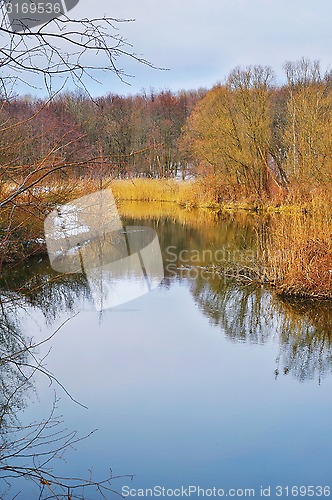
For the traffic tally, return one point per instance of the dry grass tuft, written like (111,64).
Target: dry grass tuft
(298,255)
(296,252)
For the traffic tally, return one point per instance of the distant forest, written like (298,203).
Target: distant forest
(249,132)
(131,136)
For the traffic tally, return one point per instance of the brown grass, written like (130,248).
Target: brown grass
(296,254)
(187,194)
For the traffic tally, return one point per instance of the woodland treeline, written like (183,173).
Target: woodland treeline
(119,136)
(247,134)
(262,137)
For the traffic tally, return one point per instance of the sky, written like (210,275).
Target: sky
(200,42)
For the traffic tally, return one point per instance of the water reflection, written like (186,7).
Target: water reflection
(255,315)
(199,389)
(36,285)
(86,236)
(306,339)
(245,314)
(14,382)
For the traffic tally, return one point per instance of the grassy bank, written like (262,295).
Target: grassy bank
(185,194)
(202,193)
(297,256)
(295,248)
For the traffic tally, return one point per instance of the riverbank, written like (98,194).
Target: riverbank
(204,193)
(295,248)
(295,251)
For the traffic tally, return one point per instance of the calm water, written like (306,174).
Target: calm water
(201,382)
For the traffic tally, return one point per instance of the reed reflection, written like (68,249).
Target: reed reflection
(246,314)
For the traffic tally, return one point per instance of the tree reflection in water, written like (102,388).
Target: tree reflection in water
(31,450)
(244,314)
(251,314)
(14,383)
(306,339)
(255,314)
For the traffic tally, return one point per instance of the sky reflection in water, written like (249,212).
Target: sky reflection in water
(198,382)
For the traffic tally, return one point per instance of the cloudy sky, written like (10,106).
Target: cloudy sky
(200,41)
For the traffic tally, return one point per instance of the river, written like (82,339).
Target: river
(204,382)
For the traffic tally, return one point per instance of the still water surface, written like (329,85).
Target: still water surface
(201,382)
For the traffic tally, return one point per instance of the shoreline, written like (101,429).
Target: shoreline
(296,252)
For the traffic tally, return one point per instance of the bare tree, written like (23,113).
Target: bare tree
(60,50)
(308,123)
(69,48)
